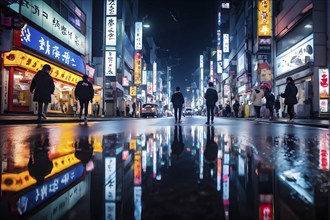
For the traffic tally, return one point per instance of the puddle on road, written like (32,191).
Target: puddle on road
(170,172)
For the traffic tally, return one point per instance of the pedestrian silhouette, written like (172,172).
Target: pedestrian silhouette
(177,146)
(43,87)
(84,149)
(178,100)
(40,165)
(211,96)
(84,92)
(290,97)
(211,148)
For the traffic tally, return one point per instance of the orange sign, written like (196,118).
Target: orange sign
(137,168)
(264,18)
(137,69)
(32,63)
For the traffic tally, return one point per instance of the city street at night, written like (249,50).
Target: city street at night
(155,169)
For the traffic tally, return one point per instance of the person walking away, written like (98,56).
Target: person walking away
(134,110)
(257,95)
(84,92)
(127,110)
(97,109)
(270,99)
(94,110)
(43,87)
(177,99)
(277,106)
(236,108)
(290,97)
(211,96)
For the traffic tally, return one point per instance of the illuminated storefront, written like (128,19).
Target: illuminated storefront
(20,68)
(21,65)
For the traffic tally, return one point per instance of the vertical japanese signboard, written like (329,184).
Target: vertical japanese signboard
(110,37)
(137,68)
(154,81)
(138,36)
(110,63)
(264,25)
(324,90)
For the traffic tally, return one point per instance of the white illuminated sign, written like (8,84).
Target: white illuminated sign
(154,68)
(110,31)
(138,36)
(110,63)
(144,76)
(297,56)
(211,71)
(111,7)
(226,43)
(44,16)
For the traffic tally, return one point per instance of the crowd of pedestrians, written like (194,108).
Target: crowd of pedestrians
(43,87)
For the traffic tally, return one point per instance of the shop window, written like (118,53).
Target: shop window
(21,95)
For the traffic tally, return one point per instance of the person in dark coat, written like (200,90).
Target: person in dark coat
(43,87)
(40,165)
(134,110)
(211,147)
(84,149)
(177,146)
(290,97)
(177,100)
(84,92)
(270,100)
(277,106)
(236,108)
(211,96)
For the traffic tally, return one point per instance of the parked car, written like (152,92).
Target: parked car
(188,111)
(151,110)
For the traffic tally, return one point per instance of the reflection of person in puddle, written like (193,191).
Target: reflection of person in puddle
(177,145)
(39,164)
(211,148)
(84,149)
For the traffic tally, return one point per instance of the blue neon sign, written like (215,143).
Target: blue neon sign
(39,42)
(38,195)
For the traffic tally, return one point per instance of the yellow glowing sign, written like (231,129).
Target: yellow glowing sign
(18,181)
(132,91)
(32,63)
(137,69)
(132,144)
(264,18)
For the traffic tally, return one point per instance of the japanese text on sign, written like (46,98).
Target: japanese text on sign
(264,18)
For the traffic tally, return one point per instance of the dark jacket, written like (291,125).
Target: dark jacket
(43,87)
(290,94)
(270,99)
(84,91)
(236,106)
(177,100)
(211,96)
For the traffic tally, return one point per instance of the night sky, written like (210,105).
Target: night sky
(185,28)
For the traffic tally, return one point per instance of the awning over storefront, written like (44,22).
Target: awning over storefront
(32,63)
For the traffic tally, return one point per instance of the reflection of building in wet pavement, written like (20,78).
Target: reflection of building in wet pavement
(136,176)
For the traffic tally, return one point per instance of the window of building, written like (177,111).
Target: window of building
(299,32)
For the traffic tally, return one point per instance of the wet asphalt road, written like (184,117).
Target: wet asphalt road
(154,169)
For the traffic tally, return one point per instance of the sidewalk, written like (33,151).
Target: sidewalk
(30,119)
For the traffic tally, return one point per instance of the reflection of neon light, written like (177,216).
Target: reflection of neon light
(137,168)
(110,179)
(64,203)
(154,160)
(219,171)
(137,202)
(39,195)
(324,153)
(266,211)
(19,181)
(144,161)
